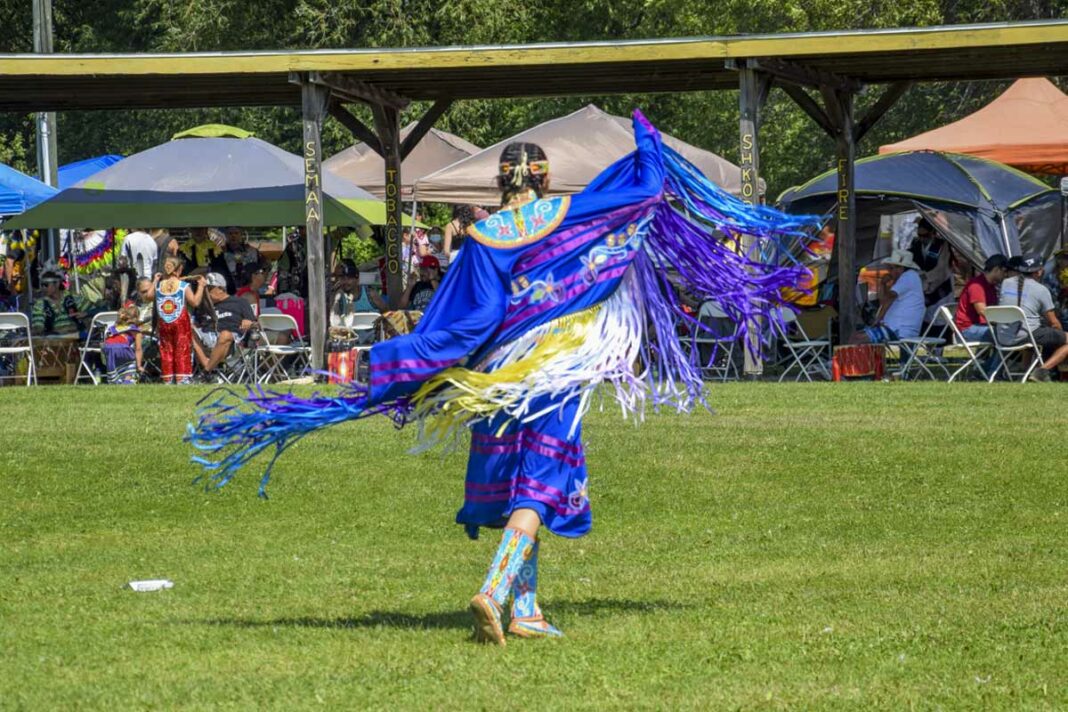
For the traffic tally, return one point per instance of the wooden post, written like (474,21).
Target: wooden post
(846,234)
(749,128)
(313,103)
(387,126)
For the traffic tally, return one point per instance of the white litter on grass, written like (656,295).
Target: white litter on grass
(150,585)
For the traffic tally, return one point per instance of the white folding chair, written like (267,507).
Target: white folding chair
(720,362)
(94,341)
(804,353)
(922,351)
(973,349)
(11,324)
(272,355)
(1008,351)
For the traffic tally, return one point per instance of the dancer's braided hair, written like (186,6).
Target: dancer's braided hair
(523,166)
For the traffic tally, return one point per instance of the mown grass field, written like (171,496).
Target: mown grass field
(810,546)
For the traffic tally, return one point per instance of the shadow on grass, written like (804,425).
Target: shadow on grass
(459,619)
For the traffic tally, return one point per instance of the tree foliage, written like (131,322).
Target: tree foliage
(793,148)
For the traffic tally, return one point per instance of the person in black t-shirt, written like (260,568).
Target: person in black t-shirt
(233,317)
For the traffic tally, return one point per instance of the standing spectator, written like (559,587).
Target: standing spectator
(234,317)
(901,305)
(1023,288)
(463,216)
(238,257)
(140,251)
(122,348)
(144,299)
(54,312)
(980,291)
(200,252)
(293,265)
(422,285)
(174,332)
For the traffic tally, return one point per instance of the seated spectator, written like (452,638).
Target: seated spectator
(422,285)
(1057,283)
(1023,288)
(53,312)
(350,297)
(932,255)
(233,318)
(254,286)
(200,252)
(122,348)
(980,291)
(239,256)
(901,304)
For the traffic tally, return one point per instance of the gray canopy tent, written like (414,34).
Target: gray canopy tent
(361,164)
(579,146)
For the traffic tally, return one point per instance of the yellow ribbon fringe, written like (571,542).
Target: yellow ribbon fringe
(452,397)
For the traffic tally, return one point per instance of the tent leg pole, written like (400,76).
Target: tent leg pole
(387,125)
(313,104)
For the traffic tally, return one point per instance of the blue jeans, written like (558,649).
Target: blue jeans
(977,332)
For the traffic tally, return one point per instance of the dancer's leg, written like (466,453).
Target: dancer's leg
(527,619)
(516,547)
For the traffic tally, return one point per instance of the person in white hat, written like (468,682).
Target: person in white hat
(901,305)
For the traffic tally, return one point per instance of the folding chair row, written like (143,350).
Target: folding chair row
(17,341)
(1010,351)
(94,346)
(275,358)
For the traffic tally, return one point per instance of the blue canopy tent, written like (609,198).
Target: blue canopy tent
(19,192)
(981,207)
(78,171)
(211,175)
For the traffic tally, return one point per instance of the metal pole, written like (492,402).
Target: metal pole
(313,104)
(846,238)
(387,126)
(749,107)
(47,164)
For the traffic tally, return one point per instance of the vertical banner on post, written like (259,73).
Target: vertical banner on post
(846,237)
(313,102)
(749,107)
(387,125)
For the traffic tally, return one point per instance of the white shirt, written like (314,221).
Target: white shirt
(140,250)
(905,315)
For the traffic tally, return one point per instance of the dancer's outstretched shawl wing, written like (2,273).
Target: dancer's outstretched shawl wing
(552,299)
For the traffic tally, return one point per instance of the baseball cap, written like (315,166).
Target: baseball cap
(1030,263)
(214,279)
(430,261)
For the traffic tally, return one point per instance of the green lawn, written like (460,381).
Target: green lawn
(811,546)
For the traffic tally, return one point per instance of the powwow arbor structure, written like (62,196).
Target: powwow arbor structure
(823,72)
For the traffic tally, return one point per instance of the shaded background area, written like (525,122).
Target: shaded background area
(793,148)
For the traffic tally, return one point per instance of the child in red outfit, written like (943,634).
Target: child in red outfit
(174,330)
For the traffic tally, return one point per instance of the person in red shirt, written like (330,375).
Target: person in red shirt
(980,291)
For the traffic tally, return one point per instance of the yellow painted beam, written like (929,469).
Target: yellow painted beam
(883,42)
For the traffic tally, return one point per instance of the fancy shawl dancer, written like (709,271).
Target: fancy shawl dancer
(548,298)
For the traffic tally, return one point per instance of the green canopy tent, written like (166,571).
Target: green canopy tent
(210,175)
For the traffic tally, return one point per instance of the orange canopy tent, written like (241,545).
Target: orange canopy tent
(1026,127)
